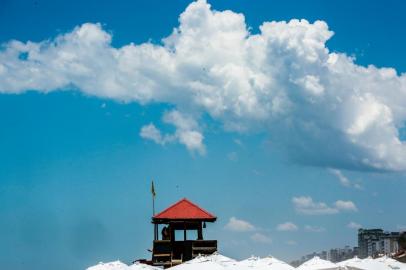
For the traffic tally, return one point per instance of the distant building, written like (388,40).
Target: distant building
(371,242)
(366,238)
(342,254)
(333,255)
(323,255)
(374,242)
(401,255)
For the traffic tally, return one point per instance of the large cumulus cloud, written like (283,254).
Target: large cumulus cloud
(320,106)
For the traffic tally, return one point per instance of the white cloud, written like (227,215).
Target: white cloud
(291,242)
(345,206)
(238,142)
(186,132)
(305,205)
(287,226)
(256,172)
(344,181)
(261,238)
(282,81)
(239,225)
(233,156)
(354,225)
(152,133)
(315,229)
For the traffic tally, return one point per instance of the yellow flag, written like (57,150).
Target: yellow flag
(153,189)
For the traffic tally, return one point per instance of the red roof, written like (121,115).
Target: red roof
(185,209)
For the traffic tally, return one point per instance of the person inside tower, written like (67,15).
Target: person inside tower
(165,233)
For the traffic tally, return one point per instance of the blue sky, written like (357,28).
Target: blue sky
(75,171)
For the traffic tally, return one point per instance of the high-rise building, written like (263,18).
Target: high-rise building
(372,242)
(366,238)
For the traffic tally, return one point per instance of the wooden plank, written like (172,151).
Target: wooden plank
(205,248)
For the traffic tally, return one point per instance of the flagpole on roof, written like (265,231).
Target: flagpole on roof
(153,197)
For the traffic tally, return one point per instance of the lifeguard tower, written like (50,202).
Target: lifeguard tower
(181,229)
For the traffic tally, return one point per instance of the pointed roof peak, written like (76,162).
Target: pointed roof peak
(184,209)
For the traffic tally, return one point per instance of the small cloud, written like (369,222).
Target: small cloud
(354,225)
(358,186)
(187,130)
(315,229)
(305,205)
(256,172)
(150,132)
(239,225)
(261,238)
(287,226)
(233,156)
(238,142)
(186,133)
(346,206)
(344,181)
(103,105)
(291,243)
